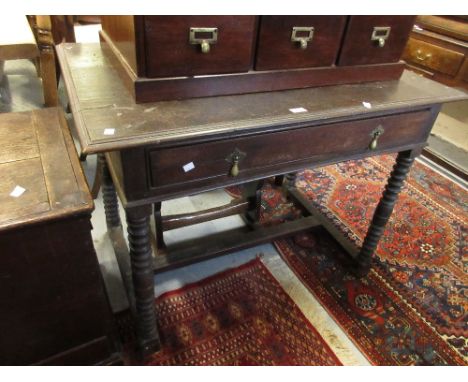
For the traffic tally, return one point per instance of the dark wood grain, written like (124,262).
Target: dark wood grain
(275,50)
(99,99)
(53,299)
(227,242)
(166,166)
(40,159)
(169,53)
(169,222)
(359,49)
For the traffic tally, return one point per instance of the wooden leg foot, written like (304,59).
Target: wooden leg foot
(384,209)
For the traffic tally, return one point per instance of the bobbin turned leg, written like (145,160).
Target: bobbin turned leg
(142,276)
(384,209)
(111,203)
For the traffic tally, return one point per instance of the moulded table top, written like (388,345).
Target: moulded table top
(107,118)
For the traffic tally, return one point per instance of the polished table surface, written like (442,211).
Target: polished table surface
(99,101)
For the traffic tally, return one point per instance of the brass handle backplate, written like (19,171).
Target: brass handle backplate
(421,57)
(375,134)
(380,34)
(302,35)
(234,158)
(204,37)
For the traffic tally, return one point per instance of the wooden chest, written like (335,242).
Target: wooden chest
(438,49)
(175,57)
(53,305)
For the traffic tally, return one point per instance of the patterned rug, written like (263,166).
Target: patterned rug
(412,307)
(241,316)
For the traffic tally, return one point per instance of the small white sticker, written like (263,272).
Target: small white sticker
(297,110)
(189,167)
(109,131)
(17,192)
(367,105)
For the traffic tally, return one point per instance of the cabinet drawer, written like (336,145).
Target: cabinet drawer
(434,57)
(375,39)
(298,41)
(196,45)
(204,163)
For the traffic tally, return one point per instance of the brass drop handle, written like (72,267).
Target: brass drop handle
(205,37)
(421,57)
(235,167)
(375,134)
(205,46)
(234,158)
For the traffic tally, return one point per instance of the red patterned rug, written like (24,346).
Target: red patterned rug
(241,316)
(412,307)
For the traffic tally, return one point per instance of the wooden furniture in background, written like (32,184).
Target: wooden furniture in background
(177,57)
(438,49)
(163,150)
(18,41)
(54,308)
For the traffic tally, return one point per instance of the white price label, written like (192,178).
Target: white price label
(188,167)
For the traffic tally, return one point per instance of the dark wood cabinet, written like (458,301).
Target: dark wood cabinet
(53,305)
(375,39)
(288,42)
(175,57)
(215,44)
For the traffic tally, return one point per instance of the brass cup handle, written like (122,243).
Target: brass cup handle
(234,158)
(380,34)
(375,134)
(302,36)
(421,57)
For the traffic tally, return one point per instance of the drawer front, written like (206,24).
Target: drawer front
(375,39)
(196,45)
(298,41)
(268,153)
(434,57)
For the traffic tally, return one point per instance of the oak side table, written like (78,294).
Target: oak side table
(158,151)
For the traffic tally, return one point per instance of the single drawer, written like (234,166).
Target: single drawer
(286,42)
(434,57)
(375,39)
(268,153)
(196,45)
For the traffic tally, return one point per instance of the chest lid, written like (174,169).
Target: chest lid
(41,177)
